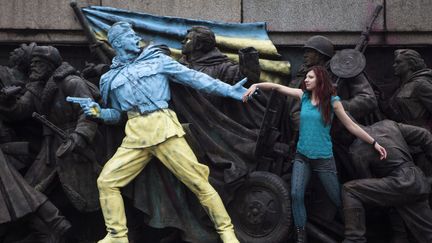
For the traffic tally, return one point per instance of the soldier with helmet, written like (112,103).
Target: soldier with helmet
(356,94)
(357,97)
(52,81)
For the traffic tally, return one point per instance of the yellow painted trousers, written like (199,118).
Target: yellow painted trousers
(178,157)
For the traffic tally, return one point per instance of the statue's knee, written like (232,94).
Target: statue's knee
(348,186)
(102,182)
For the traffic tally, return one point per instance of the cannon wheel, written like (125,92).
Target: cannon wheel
(261,209)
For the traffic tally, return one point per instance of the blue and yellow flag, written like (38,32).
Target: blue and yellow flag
(230,37)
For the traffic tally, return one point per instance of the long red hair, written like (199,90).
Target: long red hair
(324,90)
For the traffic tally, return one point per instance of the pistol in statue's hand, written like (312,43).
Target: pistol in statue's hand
(90,108)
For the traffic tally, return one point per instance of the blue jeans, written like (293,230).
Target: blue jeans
(326,170)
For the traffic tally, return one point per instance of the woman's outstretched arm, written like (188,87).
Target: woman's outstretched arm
(356,129)
(296,93)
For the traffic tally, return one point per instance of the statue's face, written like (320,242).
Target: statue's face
(311,57)
(401,66)
(15,56)
(130,42)
(188,43)
(40,69)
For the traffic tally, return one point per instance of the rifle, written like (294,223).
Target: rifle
(89,33)
(364,37)
(41,118)
(62,134)
(85,152)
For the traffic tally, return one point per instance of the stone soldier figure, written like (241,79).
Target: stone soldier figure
(412,101)
(17,73)
(357,97)
(12,83)
(52,81)
(200,53)
(19,199)
(138,83)
(356,93)
(393,182)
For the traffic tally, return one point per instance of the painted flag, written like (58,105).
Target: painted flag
(230,37)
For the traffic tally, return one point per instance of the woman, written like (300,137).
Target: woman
(314,149)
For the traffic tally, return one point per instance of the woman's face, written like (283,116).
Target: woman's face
(310,81)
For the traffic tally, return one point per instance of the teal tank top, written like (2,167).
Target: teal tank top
(314,136)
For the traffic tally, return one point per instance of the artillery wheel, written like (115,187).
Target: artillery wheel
(261,209)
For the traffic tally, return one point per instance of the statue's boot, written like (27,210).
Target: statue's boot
(219,216)
(115,219)
(355,226)
(109,239)
(48,224)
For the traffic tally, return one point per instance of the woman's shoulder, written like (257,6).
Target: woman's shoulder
(305,95)
(335,98)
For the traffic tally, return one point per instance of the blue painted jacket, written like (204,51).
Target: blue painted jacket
(142,85)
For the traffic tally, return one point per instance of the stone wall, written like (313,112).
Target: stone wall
(290,22)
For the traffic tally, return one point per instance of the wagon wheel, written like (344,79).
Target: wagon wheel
(261,209)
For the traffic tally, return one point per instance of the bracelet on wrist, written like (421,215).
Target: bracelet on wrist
(373,143)
(256,89)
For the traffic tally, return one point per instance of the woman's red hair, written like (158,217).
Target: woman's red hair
(324,90)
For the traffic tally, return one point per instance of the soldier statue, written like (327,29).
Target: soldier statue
(19,61)
(394,182)
(60,170)
(138,84)
(200,53)
(412,101)
(18,199)
(357,97)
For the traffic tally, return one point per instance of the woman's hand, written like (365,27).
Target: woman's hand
(249,93)
(381,150)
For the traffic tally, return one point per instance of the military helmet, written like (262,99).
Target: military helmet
(118,29)
(321,44)
(49,53)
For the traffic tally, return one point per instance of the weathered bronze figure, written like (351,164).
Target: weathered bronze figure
(18,199)
(394,182)
(412,101)
(67,174)
(200,53)
(138,83)
(18,72)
